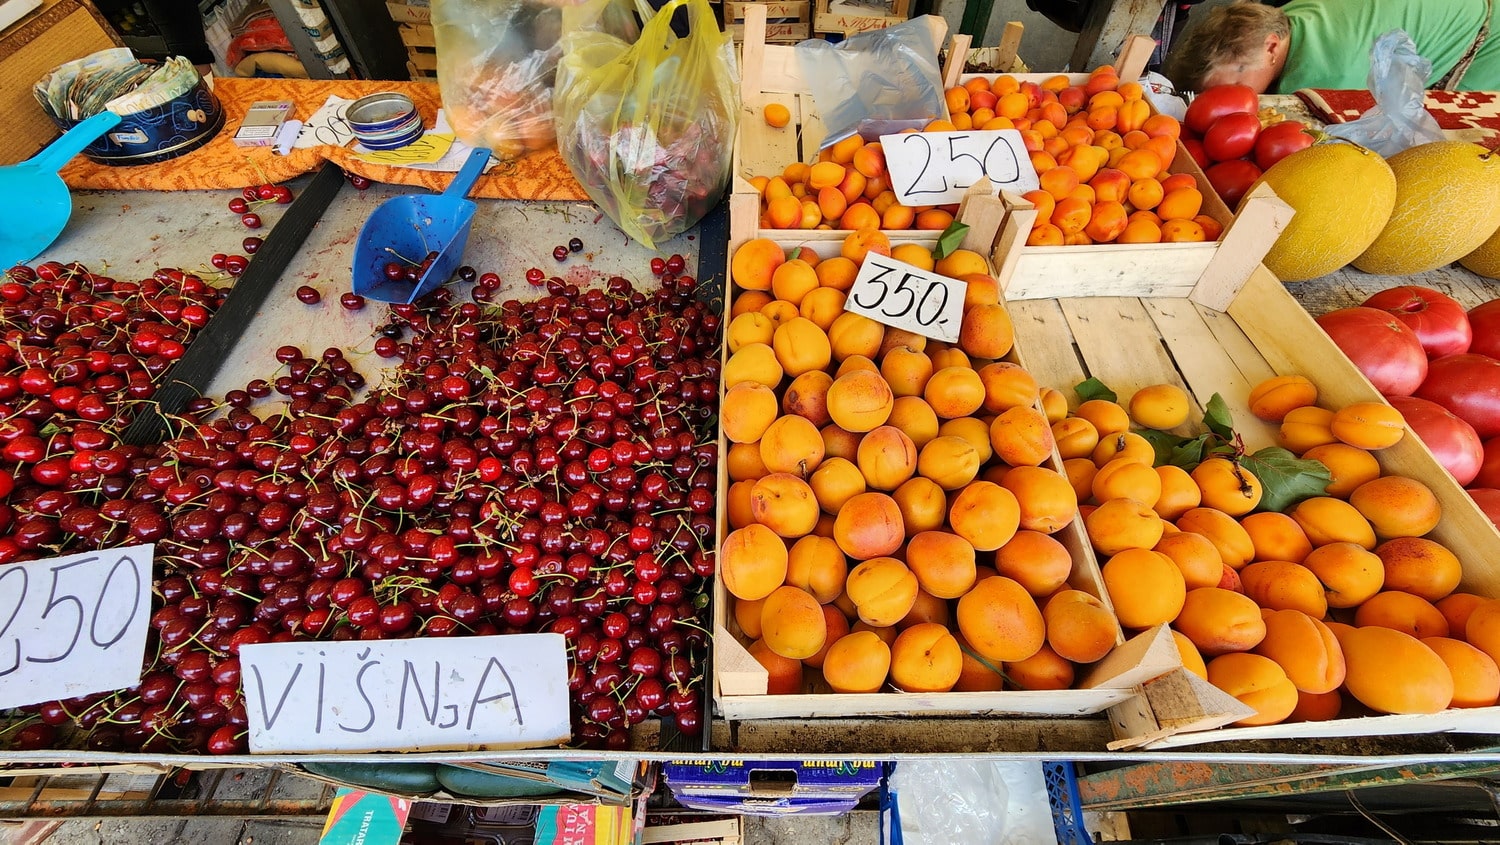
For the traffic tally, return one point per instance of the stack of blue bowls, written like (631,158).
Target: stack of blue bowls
(385,121)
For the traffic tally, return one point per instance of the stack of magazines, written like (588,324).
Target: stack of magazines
(112,79)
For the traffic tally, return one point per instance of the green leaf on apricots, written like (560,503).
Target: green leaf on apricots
(796,254)
(1217,417)
(951,238)
(1163,442)
(1091,388)
(1286,479)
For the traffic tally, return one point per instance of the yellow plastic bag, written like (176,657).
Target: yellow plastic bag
(647,128)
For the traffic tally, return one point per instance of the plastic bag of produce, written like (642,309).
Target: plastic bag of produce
(1398,79)
(875,83)
(497,60)
(647,128)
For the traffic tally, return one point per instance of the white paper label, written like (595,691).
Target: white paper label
(438,694)
(73,625)
(935,168)
(899,294)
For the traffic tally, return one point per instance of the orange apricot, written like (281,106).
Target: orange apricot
(1392,672)
(1218,621)
(752,562)
(1145,587)
(1259,683)
(1079,627)
(1349,573)
(857,663)
(1001,621)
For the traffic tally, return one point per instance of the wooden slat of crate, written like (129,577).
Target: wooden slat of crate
(776,33)
(416,35)
(423,59)
(794,10)
(420,74)
(848,20)
(408,14)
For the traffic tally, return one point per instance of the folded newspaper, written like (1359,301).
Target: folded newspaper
(112,79)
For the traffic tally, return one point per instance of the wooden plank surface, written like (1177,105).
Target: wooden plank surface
(1207,367)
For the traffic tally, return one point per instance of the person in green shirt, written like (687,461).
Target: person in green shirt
(1326,44)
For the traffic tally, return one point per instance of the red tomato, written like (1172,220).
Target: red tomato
(1280,140)
(1218,101)
(1488,500)
(1437,318)
(1231,179)
(1382,347)
(1489,469)
(1232,136)
(1467,385)
(1195,149)
(1485,322)
(1451,440)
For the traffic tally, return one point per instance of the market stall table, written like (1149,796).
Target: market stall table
(134,232)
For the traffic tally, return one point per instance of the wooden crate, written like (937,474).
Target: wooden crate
(421,50)
(1113,683)
(1225,337)
(57,32)
(845,19)
(770,74)
(404,13)
(786,23)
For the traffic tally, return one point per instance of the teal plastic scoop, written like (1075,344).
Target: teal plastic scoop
(30,226)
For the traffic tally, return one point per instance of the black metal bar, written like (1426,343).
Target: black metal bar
(369,37)
(188,378)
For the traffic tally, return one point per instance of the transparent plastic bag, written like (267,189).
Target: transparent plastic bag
(876,82)
(647,128)
(497,60)
(1398,79)
(956,802)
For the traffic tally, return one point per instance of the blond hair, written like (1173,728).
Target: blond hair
(1227,36)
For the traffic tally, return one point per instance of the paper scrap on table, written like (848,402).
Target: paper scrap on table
(451,162)
(428,149)
(327,126)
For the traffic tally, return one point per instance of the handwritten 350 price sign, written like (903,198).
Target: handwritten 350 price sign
(73,625)
(935,168)
(905,296)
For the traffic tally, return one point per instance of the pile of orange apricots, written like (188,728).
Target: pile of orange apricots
(1102,157)
(895,508)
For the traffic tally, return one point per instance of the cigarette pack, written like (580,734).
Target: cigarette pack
(262,123)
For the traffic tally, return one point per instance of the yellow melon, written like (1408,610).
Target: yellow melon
(1445,208)
(1343,195)
(1486,259)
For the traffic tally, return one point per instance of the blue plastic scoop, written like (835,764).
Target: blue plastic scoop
(40,203)
(405,229)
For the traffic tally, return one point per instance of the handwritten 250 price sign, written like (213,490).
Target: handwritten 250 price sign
(935,168)
(905,296)
(73,625)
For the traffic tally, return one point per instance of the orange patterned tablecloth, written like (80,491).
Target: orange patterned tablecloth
(222,164)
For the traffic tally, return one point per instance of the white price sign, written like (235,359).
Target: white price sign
(935,168)
(73,625)
(473,693)
(905,296)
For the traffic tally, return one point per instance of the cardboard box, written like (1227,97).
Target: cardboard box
(57,32)
(772,787)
